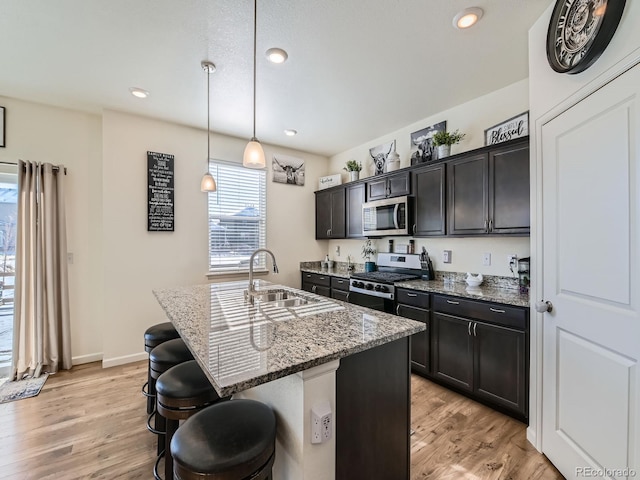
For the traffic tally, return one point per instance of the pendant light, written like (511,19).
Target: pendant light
(253,152)
(208,184)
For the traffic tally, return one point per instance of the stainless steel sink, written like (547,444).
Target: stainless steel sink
(291,302)
(280,298)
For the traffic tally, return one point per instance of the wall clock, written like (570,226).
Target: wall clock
(579,32)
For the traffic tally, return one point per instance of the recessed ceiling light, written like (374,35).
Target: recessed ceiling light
(290,132)
(277,55)
(467,17)
(138,92)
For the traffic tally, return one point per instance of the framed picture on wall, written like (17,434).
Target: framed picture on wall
(2,127)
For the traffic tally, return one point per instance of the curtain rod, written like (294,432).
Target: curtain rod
(55,167)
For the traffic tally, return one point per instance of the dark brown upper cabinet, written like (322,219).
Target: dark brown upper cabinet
(488,191)
(330,213)
(354,200)
(429,189)
(389,185)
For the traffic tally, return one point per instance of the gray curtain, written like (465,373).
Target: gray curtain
(41,333)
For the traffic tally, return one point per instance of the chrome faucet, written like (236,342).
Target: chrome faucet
(251,290)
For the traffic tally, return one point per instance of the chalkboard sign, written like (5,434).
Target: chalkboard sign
(160,192)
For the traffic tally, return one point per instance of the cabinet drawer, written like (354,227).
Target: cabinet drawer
(413,297)
(491,312)
(339,283)
(317,278)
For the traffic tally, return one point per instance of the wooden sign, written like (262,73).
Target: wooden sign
(515,127)
(160,195)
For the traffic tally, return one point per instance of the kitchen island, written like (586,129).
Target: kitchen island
(300,357)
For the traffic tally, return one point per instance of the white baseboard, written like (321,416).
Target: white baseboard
(113,362)
(533,439)
(81,359)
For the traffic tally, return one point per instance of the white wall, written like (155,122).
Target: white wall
(48,134)
(137,261)
(471,118)
(548,92)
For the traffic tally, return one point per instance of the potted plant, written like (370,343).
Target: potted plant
(443,140)
(353,168)
(367,251)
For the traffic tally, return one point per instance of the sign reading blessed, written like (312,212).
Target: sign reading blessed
(515,127)
(160,192)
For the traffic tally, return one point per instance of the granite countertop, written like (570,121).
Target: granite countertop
(490,293)
(329,271)
(494,289)
(241,346)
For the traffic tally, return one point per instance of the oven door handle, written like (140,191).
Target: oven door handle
(396,219)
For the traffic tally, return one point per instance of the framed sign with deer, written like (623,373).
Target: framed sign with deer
(289,170)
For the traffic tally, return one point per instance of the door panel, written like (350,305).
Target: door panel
(591,235)
(468,195)
(453,350)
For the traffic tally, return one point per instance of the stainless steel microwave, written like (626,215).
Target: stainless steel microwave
(386,217)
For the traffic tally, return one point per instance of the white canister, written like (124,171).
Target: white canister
(393,161)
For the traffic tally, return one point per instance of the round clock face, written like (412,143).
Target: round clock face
(579,32)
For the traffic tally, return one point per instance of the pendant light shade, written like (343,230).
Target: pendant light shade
(208,183)
(253,153)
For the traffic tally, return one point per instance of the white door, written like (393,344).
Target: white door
(591,237)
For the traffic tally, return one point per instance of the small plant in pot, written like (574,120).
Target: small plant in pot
(353,168)
(443,140)
(367,251)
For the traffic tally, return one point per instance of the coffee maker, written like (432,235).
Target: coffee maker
(523,274)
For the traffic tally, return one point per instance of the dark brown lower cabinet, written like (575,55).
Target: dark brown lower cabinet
(488,358)
(453,351)
(373,413)
(340,288)
(316,283)
(414,304)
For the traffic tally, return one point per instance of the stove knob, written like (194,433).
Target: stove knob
(359,284)
(369,286)
(378,288)
(384,288)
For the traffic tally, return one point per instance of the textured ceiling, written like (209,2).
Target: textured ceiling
(357,69)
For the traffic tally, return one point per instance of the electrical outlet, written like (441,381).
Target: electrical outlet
(326,427)
(446,256)
(338,250)
(486,259)
(321,422)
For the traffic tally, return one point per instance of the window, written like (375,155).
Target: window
(237,217)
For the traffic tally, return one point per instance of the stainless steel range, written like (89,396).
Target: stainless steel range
(375,289)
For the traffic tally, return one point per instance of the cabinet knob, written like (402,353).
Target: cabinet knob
(496,310)
(398,310)
(414,228)
(469,328)
(452,302)
(491,224)
(412,294)
(486,225)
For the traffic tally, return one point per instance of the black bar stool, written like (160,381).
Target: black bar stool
(182,391)
(232,440)
(162,358)
(154,336)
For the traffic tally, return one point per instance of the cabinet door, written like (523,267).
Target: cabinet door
(419,341)
(399,184)
(377,189)
(323,214)
(340,295)
(330,214)
(338,214)
(468,186)
(452,350)
(430,201)
(500,366)
(509,189)
(354,200)
(321,290)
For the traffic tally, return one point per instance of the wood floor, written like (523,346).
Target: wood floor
(90,423)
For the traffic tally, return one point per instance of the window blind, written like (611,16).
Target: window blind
(237,217)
